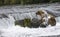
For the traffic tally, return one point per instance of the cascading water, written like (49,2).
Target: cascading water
(6,22)
(19,13)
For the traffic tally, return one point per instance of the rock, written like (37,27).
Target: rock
(35,23)
(19,22)
(43,26)
(3,16)
(28,23)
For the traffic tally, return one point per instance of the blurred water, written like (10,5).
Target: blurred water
(6,22)
(19,12)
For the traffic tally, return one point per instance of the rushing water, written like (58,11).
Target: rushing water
(8,28)
(6,22)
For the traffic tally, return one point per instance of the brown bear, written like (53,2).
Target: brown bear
(41,13)
(52,20)
(46,18)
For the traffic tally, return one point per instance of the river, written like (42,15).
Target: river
(17,12)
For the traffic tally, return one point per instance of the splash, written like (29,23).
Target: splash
(6,22)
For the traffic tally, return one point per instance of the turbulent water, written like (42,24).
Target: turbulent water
(8,28)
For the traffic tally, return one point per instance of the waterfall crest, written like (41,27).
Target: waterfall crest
(6,22)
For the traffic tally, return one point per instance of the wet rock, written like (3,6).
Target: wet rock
(35,23)
(43,26)
(19,22)
(3,16)
(28,23)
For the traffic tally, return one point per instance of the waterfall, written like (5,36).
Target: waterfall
(58,19)
(7,22)
(22,16)
(17,31)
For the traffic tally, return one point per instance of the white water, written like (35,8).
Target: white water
(17,31)
(8,28)
(6,22)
